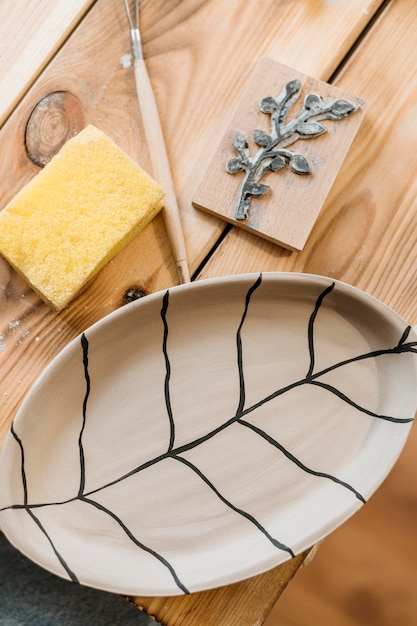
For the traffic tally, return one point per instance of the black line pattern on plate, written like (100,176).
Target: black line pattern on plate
(177,452)
(28,508)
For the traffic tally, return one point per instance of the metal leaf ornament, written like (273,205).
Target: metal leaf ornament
(273,154)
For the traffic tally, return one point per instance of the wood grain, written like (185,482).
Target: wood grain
(31,33)
(218,606)
(199,56)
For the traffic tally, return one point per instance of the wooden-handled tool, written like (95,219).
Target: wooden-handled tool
(156,146)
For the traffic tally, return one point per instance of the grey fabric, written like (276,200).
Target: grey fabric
(31,596)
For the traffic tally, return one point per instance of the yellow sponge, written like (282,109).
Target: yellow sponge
(88,202)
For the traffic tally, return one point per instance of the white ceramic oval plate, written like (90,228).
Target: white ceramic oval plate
(207,433)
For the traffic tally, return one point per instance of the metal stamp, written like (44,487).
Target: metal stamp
(273,154)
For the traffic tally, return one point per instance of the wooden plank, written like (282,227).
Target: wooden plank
(31,33)
(286,213)
(218,606)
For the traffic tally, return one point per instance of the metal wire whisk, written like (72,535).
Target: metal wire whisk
(135,39)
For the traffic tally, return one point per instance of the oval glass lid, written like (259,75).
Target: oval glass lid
(207,433)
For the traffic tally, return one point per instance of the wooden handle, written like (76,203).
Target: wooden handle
(160,167)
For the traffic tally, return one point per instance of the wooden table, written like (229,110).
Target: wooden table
(199,55)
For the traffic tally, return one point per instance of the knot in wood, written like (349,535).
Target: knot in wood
(133,293)
(54,120)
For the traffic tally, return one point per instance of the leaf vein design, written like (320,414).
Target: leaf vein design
(136,541)
(60,558)
(240,417)
(311,322)
(243,513)
(239,345)
(345,398)
(167,392)
(297,461)
(84,345)
(22,464)
(27,507)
